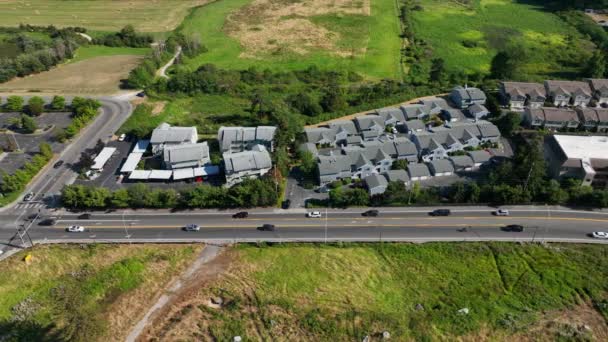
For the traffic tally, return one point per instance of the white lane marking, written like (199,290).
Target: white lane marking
(97,221)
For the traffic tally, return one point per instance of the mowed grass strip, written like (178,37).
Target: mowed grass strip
(103,15)
(91,51)
(377,34)
(84,292)
(328,293)
(468,36)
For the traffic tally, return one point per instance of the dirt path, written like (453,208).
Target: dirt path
(190,275)
(352,116)
(162,72)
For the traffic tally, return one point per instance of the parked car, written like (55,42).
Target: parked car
(241,214)
(192,227)
(314,214)
(122,137)
(286,204)
(371,213)
(58,164)
(75,229)
(513,228)
(47,222)
(599,235)
(85,216)
(501,212)
(267,227)
(28,197)
(440,212)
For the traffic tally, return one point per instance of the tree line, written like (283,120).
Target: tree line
(126,37)
(250,193)
(83,111)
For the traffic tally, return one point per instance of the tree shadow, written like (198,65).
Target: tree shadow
(28,331)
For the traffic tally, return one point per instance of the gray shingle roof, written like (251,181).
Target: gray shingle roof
(397,176)
(330,165)
(477,109)
(441,166)
(366,122)
(243,135)
(391,113)
(318,134)
(165,133)
(347,125)
(247,160)
(519,91)
(567,87)
(462,162)
(309,147)
(185,153)
(413,111)
(375,180)
(480,156)
(414,125)
(418,170)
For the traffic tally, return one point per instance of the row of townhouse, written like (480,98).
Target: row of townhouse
(566,118)
(245,152)
(438,142)
(521,95)
(377,183)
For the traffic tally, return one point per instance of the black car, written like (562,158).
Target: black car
(58,164)
(440,212)
(47,222)
(286,204)
(371,213)
(513,228)
(84,216)
(241,214)
(267,227)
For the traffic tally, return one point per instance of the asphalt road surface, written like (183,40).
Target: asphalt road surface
(393,224)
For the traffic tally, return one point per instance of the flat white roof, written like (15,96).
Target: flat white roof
(160,174)
(183,173)
(131,163)
(206,171)
(583,147)
(141,146)
(102,158)
(140,174)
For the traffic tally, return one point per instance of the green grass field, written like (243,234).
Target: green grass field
(344,293)
(102,15)
(70,293)
(87,52)
(378,33)
(486,26)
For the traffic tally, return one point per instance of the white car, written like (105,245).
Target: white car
(501,212)
(28,197)
(192,228)
(122,137)
(75,229)
(599,235)
(314,214)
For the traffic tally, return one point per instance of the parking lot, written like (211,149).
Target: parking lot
(27,144)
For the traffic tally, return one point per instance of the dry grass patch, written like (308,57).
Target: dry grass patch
(99,75)
(283,26)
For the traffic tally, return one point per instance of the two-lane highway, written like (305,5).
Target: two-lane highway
(392,224)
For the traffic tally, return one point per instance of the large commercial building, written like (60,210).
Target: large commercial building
(580,157)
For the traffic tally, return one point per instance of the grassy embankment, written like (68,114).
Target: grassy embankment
(377,34)
(308,292)
(74,293)
(468,36)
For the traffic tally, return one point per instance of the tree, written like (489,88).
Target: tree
(333,98)
(508,123)
(35,105)
(45,150)
(308,163)
(28,124)
(504,65)
(399,164)
(14,103)
(437,73)
(305,104)
(596,65)
(58,103)
(120,198)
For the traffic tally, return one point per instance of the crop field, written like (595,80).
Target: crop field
(292,292)
(84,293)
(467,34)
(354,35)
(100,15)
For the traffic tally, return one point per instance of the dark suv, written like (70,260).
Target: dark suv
(440,212)
(267,227)
(513,228)
(241,214)
(371,213)
(286,204)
